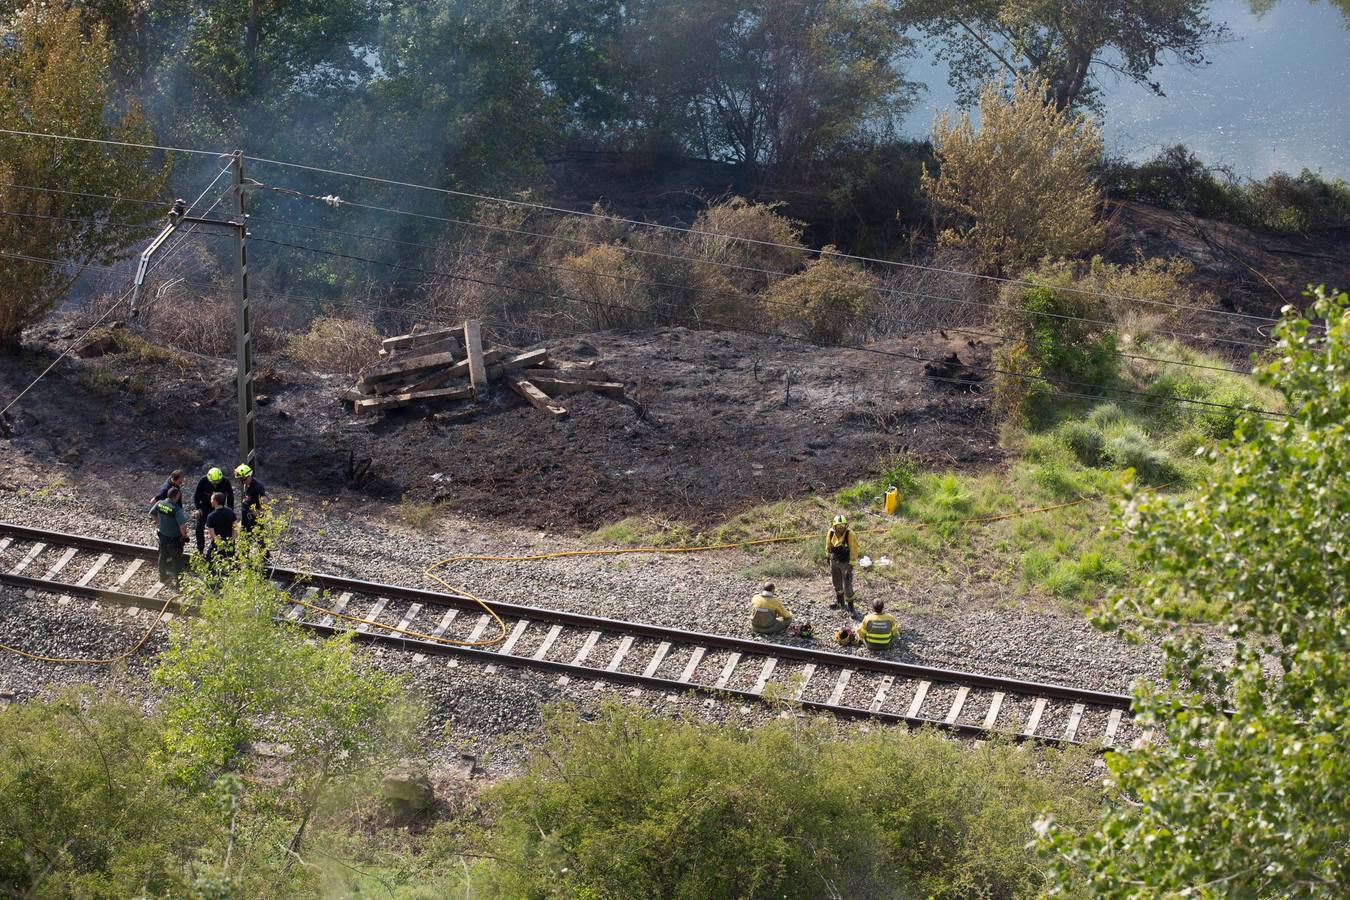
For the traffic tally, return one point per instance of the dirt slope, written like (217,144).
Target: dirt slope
(717,422)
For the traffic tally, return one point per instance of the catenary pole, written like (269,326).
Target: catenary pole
(243,323)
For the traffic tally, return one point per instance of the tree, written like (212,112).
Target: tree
(55,78)
(1251,802)
(1021,186)
(234,678)
(1064,44)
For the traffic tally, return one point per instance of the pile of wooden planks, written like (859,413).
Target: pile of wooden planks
(446,364)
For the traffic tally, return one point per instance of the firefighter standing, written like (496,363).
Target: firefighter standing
(841,547)
(214,481)
(254,501)
(172,531)
(222,527)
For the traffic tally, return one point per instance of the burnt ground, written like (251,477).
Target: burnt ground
(716,423)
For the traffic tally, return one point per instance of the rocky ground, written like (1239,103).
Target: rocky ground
(490,711)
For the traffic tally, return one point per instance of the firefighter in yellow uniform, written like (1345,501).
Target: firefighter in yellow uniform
(879,628)
(841,548)
(768,615)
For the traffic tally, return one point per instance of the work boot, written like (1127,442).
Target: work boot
(852,610)
(838,602)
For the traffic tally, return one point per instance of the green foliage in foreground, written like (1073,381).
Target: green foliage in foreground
(1253,804)
(628,804)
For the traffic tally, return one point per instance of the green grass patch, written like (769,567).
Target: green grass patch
(781,569)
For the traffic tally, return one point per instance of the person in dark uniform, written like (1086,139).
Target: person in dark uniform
(172,532)
(214,480)
(222,527)
(254,502)
(175,480)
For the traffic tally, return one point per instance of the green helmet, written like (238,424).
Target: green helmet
(243,470)
(841,520)
(214,474)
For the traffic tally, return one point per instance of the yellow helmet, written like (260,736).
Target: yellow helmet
(214,474)
(840,520)
(243,470)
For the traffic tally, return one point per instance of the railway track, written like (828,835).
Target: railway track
(582,648)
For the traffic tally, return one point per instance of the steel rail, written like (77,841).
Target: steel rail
(600,623)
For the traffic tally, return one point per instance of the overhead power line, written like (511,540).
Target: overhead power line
(708,322)
(85,140)
(75,343)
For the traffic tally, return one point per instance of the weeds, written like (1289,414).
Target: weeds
(417,514)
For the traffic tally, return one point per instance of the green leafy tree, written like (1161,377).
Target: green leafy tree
(1252,802)
(234,678)
(1021,185)
(55,78)
(1064,44)
(81,814)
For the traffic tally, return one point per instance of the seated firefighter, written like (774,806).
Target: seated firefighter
(768,615)
(879,628)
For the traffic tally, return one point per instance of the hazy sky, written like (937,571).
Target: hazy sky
(1277,96)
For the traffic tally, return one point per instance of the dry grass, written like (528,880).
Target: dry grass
(335,344)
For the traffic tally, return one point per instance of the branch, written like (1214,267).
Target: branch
(986,45)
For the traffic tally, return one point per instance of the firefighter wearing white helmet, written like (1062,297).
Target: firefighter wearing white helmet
(841,548)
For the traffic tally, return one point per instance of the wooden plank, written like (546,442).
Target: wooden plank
(478,629)
(536,398)
(992,716)
(1075,717)
(957,702)
(418,339)
(917,703)
(413,365)
(447,343)
(769,665)
(458,370)
(808,670)
(727,670)
(548,642)
(657,658)
(1034,720)
(1112,726)
(473,348)
(838,693)
(394,401)
(619,653)
(553,385)
(445,623)
(514,363)
(128,573)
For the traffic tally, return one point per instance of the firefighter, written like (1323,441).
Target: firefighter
(879,628)
(171,529)
(214,481)
(841,548)
(254,497)
(768,615)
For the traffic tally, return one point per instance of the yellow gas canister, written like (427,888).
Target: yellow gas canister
(892,500)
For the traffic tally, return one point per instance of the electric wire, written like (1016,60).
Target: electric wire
(704,323)
(73,344)
(48,190)
(888,318)
(543,207)
(105,142)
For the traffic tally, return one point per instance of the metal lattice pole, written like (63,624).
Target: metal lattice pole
(243,322)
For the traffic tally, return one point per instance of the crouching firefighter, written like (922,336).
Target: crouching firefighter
(841,547)
(768,615)
(879,628)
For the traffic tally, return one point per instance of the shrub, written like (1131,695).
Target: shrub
(1084,439)
(1131,448)
(1021,186)
(612,281)
(1104,415)
(415,513)
(622,803)
(827,297)
(335,344)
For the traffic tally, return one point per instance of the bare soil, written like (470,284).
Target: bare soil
(715,423)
